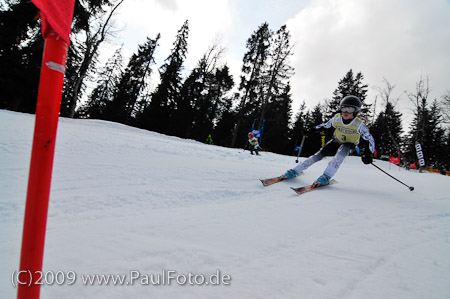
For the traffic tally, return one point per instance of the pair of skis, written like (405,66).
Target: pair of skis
(299,190)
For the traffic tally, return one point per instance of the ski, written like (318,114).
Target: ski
(301,190)
(268,182)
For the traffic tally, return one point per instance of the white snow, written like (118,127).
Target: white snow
(125,199)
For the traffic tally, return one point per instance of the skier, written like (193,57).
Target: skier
(348,130)
(253,143)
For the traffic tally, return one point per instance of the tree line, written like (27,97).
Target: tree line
(206,102)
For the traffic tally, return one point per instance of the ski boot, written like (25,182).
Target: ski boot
(322,180)
(291,173)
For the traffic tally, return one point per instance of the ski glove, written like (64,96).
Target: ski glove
(367,155)
(367,158)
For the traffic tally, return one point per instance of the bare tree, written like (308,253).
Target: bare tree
(92,41)
(385,93)
(446,107)
(213,55)
(420,99)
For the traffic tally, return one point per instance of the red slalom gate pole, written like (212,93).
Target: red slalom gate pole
(39,181)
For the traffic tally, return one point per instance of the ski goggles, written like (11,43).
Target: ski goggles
(348,109)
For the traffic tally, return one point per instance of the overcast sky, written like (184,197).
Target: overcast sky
(400,40)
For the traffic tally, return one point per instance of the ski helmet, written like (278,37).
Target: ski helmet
(351,101)
(250,135)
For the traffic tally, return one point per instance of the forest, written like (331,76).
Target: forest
(207,103)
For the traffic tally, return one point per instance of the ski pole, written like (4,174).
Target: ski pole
(301,147)
(411,188)
(245,147)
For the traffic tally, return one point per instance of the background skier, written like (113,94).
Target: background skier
(253,143)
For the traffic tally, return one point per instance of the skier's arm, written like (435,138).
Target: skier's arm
(326,125)
(365,134)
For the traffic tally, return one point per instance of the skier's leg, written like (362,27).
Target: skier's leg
(333,166)
(308,162)
(330,146)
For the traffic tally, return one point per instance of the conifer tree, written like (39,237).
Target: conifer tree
(159,115)
(445,155)
(265,81)
(426,127)
(21,46)
(315,141)
(276,76)
(298,129)
(276,128)
(387,129)
(254,65)
(212,103)
(133,80)
(190,96)
(102,95)
(223,131)
(201,95)
(349,85)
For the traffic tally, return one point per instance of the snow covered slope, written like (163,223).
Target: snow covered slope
(135,203)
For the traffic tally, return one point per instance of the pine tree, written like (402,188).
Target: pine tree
(102,95)
(223,82)
(315,141)
(213,102)
(200,95)
(387,129)
(226,122)
(426,127)
(133,80)
(276,128)
(21,46)
(159,115)
(445,155)
(21,49)
(254,65)
(349,85)
(276,76)
(299,128)
(436,136)
(190,96)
